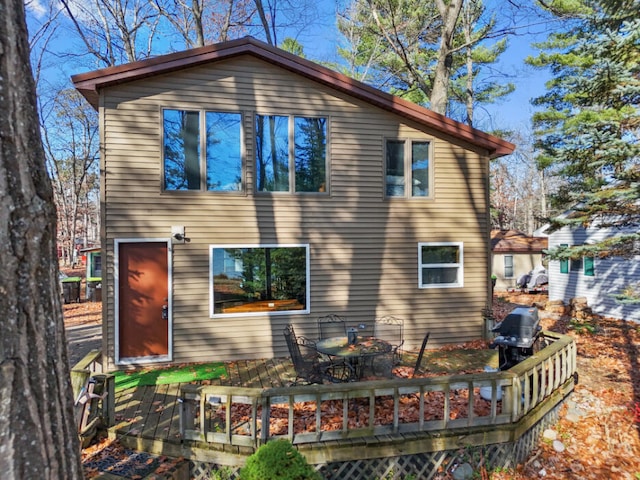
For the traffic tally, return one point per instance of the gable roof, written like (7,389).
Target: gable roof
(512,241)
(89,85)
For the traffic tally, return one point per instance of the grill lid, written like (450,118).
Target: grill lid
(519,328)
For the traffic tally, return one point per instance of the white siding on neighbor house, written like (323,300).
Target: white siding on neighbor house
(611,275)
(363,247)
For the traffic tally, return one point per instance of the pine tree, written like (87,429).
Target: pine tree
(428,52)
(589,132)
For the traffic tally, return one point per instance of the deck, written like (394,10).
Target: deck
(149,415)
(453,415)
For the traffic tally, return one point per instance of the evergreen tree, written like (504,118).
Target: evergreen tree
(428,52)
(589,132)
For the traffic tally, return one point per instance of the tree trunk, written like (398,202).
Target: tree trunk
(38,438)
(449,12)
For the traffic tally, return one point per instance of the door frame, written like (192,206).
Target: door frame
(116,303)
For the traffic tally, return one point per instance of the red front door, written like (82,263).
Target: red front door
(143,308)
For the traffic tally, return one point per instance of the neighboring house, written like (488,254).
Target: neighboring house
(93,278)
(599,280)
(245,188)
(514,254)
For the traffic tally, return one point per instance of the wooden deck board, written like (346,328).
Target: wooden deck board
(234,375)
(147,425)
(158,404)
(270,369)
(129,415)
(171,431)
(268,380)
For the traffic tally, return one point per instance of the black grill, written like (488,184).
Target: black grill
(517,336)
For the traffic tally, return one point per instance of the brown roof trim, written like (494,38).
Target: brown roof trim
(511,241)
(90,83)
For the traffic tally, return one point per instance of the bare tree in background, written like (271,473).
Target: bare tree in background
(202,22)
(71,148)
(37,434)
(113,31)
(290,18)
(518,189)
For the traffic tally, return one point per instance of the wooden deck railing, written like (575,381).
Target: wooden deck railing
(317,413)
(94,396)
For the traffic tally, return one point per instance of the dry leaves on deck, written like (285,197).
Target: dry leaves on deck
(331,412)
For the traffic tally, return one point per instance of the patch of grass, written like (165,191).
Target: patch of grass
(162,376)
(582,327)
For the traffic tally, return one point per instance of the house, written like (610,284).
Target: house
(602,281)
(245,188)
(92,257)
(514,254)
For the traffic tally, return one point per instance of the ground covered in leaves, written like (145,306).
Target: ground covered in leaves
(602,442)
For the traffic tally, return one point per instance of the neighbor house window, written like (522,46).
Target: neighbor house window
(564,263)
(576,265)
(440,265)
(508,266)
(202,150)
(407,168)
(589,267)
(291,154)
(259,279)
(95,264)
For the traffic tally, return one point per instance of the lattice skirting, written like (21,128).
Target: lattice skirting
(422,466)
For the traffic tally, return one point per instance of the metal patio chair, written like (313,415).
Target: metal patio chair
(307,364)
(390,329)
(418,367)
(331,326)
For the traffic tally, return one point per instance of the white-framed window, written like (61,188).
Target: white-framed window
(508,266)
(407,168)
(258,279)
(440,264)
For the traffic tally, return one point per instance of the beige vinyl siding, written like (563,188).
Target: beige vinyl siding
(363,247)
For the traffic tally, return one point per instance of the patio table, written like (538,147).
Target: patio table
(358,354)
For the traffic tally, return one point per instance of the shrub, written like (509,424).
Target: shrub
(278,460)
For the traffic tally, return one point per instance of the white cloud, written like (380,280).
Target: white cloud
(36,7)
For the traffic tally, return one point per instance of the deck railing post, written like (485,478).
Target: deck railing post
(108,406)
(189,398)
(265,402)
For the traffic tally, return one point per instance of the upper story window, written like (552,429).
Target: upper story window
(291,154)
(407,168)
(440,264)
(202,150)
